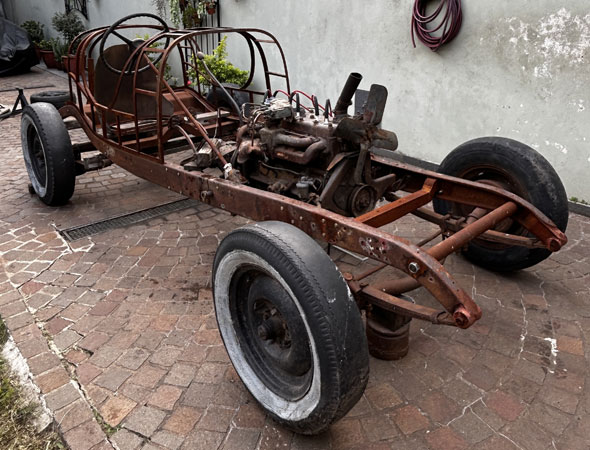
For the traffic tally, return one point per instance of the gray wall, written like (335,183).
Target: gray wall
(519,69)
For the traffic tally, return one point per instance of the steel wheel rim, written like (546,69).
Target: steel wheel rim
(271,334)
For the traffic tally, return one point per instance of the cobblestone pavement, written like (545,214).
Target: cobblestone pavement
(120,336)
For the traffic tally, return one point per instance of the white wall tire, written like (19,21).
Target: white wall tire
(311,377)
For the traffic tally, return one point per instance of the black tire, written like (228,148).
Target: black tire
(517,168)
(309,365)
(48,154)
(56,98)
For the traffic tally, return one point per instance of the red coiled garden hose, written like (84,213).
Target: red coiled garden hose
(450,23)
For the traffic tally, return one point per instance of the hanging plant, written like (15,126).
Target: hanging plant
(175,12)
(211,7)
(160,6)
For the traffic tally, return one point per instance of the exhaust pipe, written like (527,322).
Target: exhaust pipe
(345,99)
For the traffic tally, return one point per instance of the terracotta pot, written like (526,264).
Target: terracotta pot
(49,59)
(58,64)
(69,64)
(211,8)
(38,52)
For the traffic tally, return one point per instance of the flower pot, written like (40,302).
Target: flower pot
(38,53)
(69,64)
(49,59)
(211,8)
(58,63)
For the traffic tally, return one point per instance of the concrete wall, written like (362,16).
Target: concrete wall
(517,69)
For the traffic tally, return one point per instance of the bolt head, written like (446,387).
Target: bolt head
(414,267)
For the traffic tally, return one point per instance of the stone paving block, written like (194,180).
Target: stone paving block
(66,339)
(527,434)
(180,375)
(379,428)
(115,409)
(148,376)
(471,428)
(48,381)
(203,440)
(144,420)
(123,339)
(165,397)
(72,415)
(112,378)
(103,308)
(61,397)
(126,440)
(165,356)
(274,437)
(199,394)
(105,356)
(560,399)
(216,419)
(133,358)
(74,312)
(87,372)
(12,309)
(84,436)
(183,420)
(409,419)
(168,440)
(43,362)
(104,445)
(138,394)
(505,405)
(445,438)
(93,341)
(439,407)
(550,419)
(33,347)
(239,439)
(250,415)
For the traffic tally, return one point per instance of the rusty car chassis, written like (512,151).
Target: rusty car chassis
(262,154)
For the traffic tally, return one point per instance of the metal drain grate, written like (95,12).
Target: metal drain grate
(124,220)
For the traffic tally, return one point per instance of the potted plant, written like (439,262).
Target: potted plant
(68,25)
(36,33)
(46,50)
(211,7)
(60,52)
(219,66)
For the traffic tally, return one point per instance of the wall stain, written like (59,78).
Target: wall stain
(554,43)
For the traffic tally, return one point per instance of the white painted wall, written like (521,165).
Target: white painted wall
(517,69)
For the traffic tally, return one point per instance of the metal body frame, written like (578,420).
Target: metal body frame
(422,267)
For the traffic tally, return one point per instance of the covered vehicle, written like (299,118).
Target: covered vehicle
(17,52)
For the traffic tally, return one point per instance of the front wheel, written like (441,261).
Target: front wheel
(515,167)
(290,325)
(48,155)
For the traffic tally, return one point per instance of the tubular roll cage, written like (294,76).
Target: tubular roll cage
(362,235)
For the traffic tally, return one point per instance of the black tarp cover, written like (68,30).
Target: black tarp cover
(17,53)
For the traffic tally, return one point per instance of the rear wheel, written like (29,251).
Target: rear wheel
(515,167)
(290,325)
(48,154)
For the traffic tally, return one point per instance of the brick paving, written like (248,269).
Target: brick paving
(120,335)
